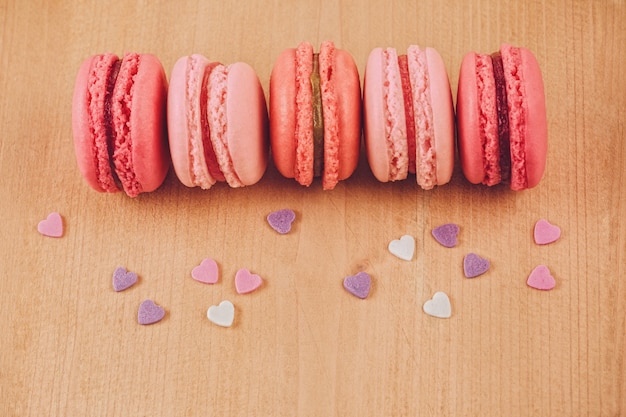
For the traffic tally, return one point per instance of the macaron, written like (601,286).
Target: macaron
(408,116)
(217,123)
(315,114)
(501,118)
(118,123)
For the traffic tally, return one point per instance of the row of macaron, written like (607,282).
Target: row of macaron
(212,122)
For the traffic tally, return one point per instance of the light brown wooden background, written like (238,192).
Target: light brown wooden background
(301,345)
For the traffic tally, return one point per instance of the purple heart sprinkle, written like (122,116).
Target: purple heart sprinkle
(281,220)
(358,285)
(123,280)
(446,234)
(474,265)
(150,313)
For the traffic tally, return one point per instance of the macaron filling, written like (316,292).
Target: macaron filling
(318,119)
(503,118)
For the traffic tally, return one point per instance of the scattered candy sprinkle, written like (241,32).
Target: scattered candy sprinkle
(223,314)
(281,220)
(439,306)
(123,279)
(403,248)
(358,285)
(52,226)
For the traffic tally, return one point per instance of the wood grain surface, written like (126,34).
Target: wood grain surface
(301,345)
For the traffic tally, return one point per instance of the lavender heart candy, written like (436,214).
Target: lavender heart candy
(474,265)
(358,285)
(123,279)
(446,234)
(150,313)
(281,220)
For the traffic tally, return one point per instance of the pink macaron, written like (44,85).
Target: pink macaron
(217,122)
(501,116)
(408,116)
(118,123)
(315,114)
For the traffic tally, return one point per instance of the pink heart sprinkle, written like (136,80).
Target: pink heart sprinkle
(281,220)
(541,279)
(358,285)
(206,272)
(123,279)
(446,234)
(150,313)
(246,282)
(474,265)
(545,232)
(52,226)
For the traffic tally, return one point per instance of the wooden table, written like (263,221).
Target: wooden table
(301,345)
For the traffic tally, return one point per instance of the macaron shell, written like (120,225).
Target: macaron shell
(443,115)
(150,152)
(348,93)
(247,123)
(282,112)
(536,124)
(468,115)
(84,146)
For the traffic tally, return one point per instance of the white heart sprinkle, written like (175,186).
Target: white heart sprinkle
(403,248)
(222,315)
(439,306)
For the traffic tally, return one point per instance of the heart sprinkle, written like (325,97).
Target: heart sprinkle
(281,220)
(246,282)
(403,248)
(358,285)
(222,315)
(150,313)
(545,232)
(122,279)
(474,265)
(541,279)
(52,226)
(439,306)
(206,272)
(446,234)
